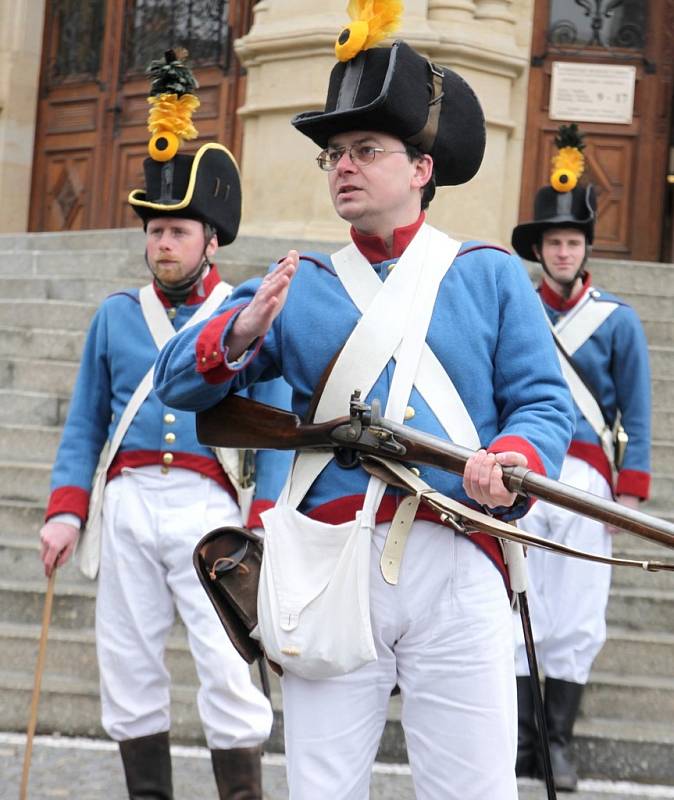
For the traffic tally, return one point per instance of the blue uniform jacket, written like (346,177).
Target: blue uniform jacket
(614,362)
(118,352)
(487,330)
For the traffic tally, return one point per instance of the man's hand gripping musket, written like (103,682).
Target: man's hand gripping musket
(366,438)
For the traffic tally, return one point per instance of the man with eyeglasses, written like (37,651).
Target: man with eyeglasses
(485,373)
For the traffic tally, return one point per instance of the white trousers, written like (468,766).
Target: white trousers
(152,523)
(443,634)
(567,596)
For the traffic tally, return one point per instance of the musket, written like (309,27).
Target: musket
(238,422)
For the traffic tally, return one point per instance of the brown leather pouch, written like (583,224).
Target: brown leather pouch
(228,561)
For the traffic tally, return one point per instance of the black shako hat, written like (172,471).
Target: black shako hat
(552,209)
(397,91)
(205,186)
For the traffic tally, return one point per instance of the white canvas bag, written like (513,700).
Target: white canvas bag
(89,547)
(313,596)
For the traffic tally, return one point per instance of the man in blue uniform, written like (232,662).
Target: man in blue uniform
(485,374)
(604,357)
(164,492)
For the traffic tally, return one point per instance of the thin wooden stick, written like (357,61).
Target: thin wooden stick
(39,669)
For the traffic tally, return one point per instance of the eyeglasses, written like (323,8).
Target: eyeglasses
(360,154)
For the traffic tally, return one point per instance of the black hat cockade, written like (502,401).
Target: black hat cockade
(564,203)
(395,90)
(205,186)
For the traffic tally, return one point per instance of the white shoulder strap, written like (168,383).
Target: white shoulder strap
(576,327)
(391,326)
(582,396)
(159,325)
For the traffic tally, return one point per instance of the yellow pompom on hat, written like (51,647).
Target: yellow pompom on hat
(172,102)
(568,164)
(205,186)
(371,22)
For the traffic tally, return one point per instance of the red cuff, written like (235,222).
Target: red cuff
(631,481)
(68,500)
(519,445)
(211,357)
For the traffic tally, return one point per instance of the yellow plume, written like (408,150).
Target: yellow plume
(372,21)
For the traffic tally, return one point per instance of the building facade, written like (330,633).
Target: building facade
(73,109)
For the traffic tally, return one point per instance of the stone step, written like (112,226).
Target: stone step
(20,521)
(659,331)
(606,748)
(663,392)
(57,314)
(43,343)
(73,607)
(627,277)
(63,287)
(609,748)
(662,358)
(663,424)
(635,578)
(644,699)
(37,375)
(33,442)
(641,609)
(73,652)
(662,455)
(38,408)
(628,652)
(26,481)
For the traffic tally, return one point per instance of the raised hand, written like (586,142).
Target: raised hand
(256,319)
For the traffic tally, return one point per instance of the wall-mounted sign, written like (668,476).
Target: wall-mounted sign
(592,92)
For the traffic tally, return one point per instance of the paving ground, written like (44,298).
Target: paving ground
(90,769)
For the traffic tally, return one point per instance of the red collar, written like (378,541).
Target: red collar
(559,303)
(374,247)
(200,290)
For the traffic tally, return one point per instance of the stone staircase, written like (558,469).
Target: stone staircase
(50,285)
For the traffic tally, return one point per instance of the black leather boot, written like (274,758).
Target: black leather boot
(238,773)
(562,701)
(527,732)
(147,766)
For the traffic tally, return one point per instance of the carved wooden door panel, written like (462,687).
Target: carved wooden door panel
(91,135)
(627,161)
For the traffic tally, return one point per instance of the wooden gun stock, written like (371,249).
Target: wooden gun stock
(242,423)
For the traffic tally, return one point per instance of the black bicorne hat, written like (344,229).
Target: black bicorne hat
(553,209)
(205,187)
(395,90)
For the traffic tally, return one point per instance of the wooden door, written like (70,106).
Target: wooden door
(627,161)
(91,136)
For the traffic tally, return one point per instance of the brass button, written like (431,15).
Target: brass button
(169,418)
(171,313)
(415,470)
(203,359)
(167,458)
(214,354)
(390,267)
(409,412)
(165,470)
(170,437)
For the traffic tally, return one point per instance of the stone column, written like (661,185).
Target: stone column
(451,10)
(288,55)
(20,53)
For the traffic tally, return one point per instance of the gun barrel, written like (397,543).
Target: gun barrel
(424,448)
